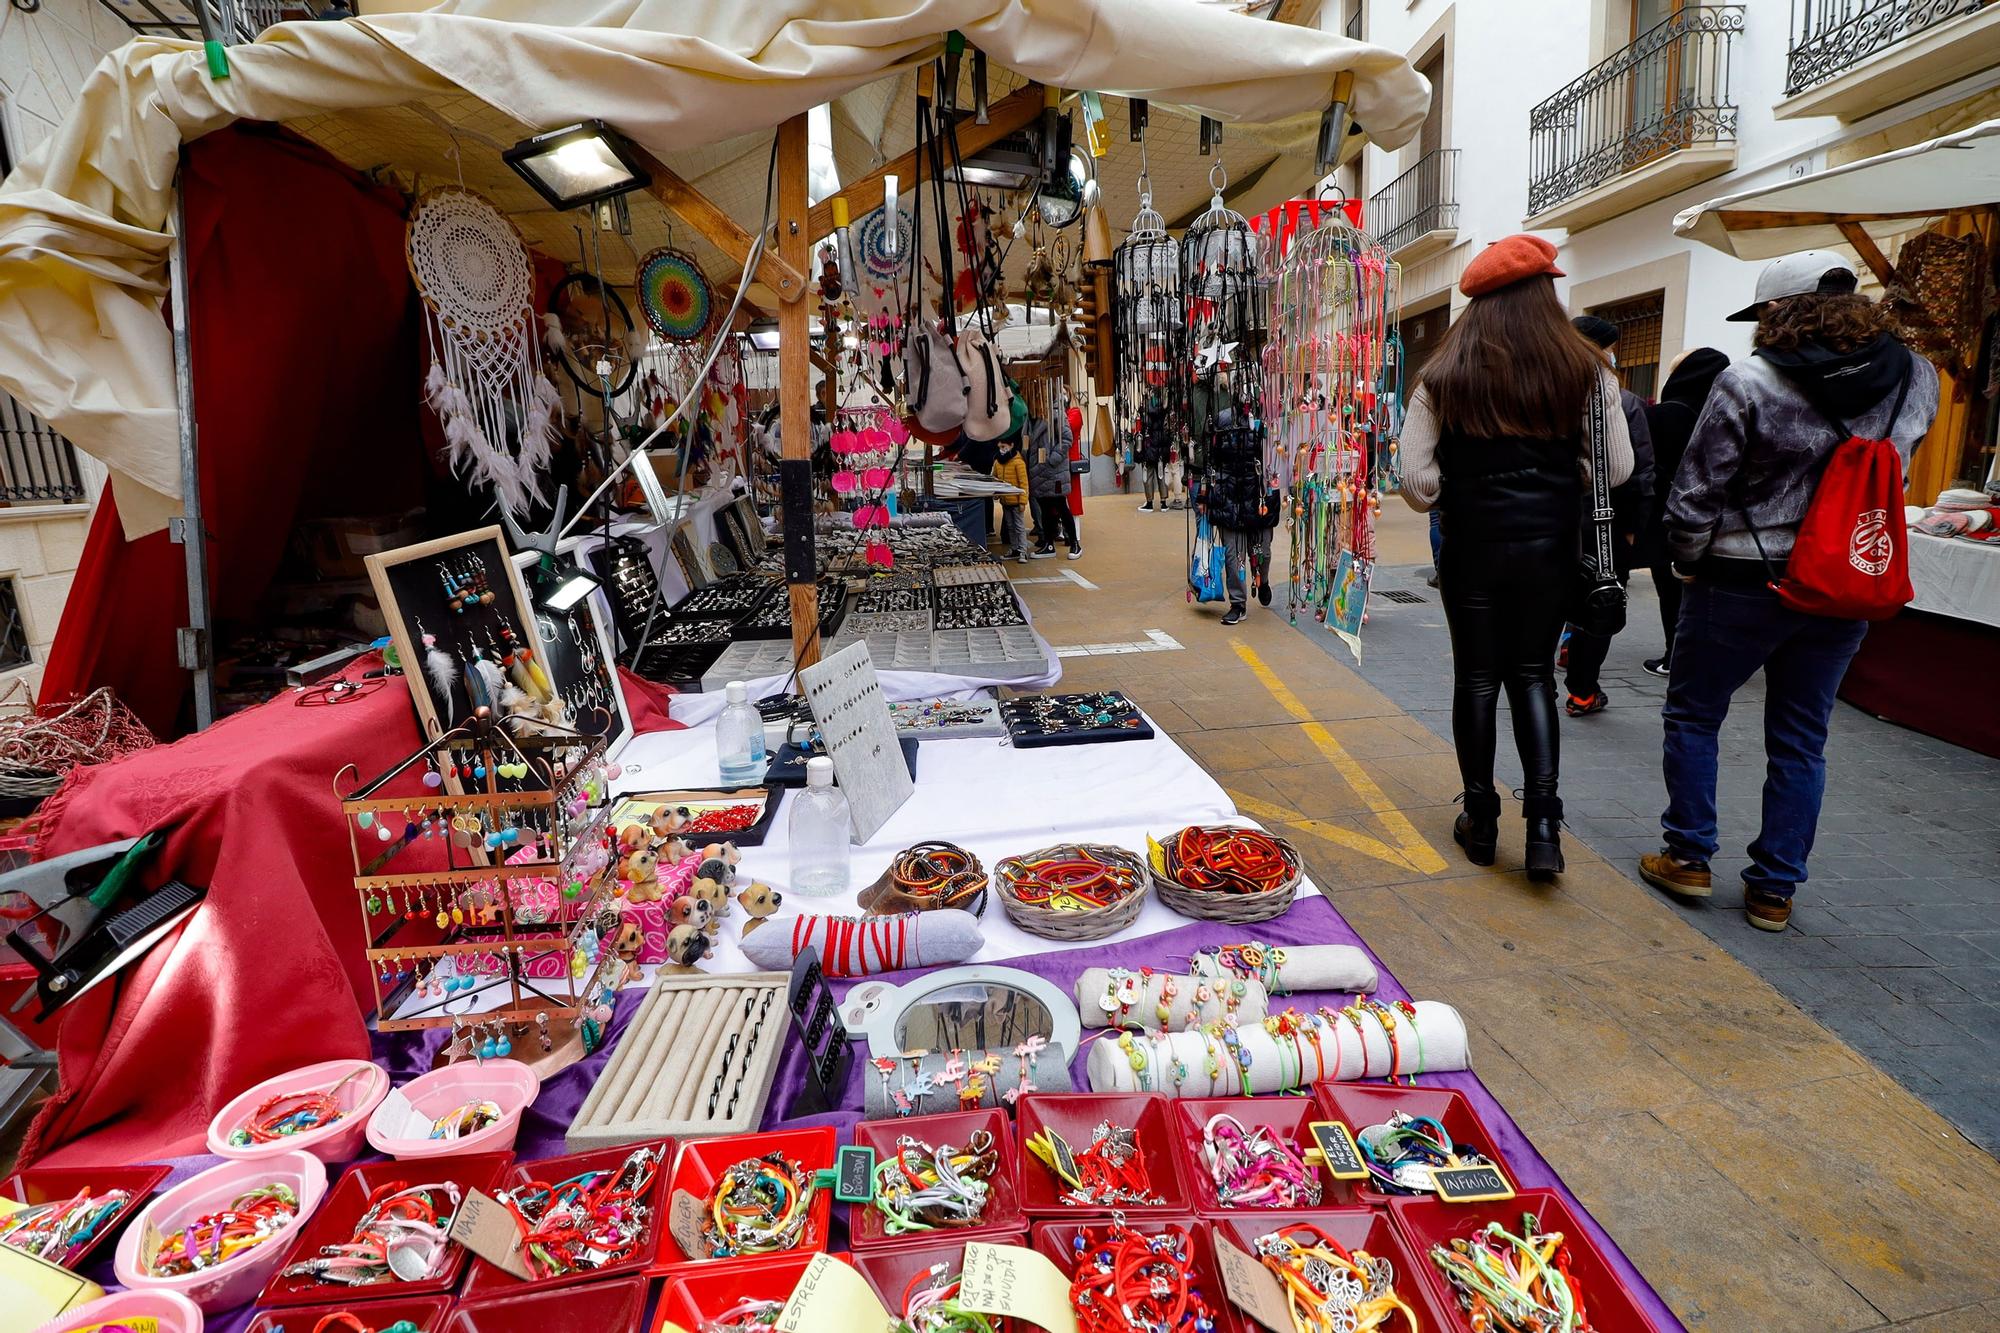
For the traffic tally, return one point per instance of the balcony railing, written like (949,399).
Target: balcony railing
(37,466)
(1667,91)
(1830,37)
(1422,199)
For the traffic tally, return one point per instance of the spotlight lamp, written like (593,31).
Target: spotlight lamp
(578,165)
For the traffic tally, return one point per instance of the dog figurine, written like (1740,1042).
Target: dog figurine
(631,837)
(716,896)
(759,901)
(667,821)
(641,872)
(688,910)
(686,946)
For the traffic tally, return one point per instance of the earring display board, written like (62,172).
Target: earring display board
(578,652)
(1035,720)
(696,1061)
(456,607)
(853,719)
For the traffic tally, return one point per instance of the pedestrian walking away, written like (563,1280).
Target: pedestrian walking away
(1827,365)
(1498,436)
(1670,424)
(1048,483)
(1630,502)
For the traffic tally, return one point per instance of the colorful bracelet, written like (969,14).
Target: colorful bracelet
(761,1205)
(1111,1170)
(931,1305)
(400,1237)
(922,1188)
(1069,879)
(1255,1168)
(1224,859)
(588,1221)
(1329,1289)
(940,874)
(252,1218)
(1122,1280)
(1514,1284)
(61,1230)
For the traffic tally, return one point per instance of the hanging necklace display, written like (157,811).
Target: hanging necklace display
(485,383)
(1330,395)
(1150,313)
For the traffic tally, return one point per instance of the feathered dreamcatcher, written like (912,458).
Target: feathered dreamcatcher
(485,382)
(674,294)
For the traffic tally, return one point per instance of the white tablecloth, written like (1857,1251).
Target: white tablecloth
(1956,578)
(990,798)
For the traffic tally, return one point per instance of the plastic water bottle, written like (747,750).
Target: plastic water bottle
(819,828)
(739,740)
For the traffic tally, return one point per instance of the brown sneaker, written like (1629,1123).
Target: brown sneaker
(1664,870)
(1766,911)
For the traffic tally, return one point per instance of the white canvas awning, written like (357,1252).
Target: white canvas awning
(84,221)
(1884,195)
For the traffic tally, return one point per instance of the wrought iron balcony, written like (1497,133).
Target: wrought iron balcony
(1667,91)
(37,466)
(1830,37)
(1422,200)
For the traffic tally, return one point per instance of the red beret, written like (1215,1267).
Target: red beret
(1506,262)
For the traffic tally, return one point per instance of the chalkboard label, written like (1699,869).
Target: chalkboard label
(857,1175)
(1470,1184)
(1337,1151)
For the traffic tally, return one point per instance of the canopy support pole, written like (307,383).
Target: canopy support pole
(795,483)
(194,642)
(1871,253)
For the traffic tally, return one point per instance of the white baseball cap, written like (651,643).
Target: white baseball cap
(1796,275)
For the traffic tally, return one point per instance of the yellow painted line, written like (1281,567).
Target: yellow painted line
(1268,813)
(1415,849)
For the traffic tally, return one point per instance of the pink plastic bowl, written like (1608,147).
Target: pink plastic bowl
(176,1313)
(508,1084)
(238,1281)
(337,1142)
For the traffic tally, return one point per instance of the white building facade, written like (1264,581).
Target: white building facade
(1593,122)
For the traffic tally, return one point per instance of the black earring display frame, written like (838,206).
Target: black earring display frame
(565,663)
(411,592)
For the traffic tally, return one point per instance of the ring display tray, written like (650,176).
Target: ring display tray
(697,1061)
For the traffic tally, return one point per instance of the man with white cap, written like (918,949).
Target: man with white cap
(1827,364)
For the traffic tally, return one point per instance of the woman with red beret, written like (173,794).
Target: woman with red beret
(1497,438)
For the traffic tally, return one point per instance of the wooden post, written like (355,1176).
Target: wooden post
(795,484)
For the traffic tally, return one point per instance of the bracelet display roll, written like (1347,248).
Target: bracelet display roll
(1289,1050)
(1117,997)
(1282,969)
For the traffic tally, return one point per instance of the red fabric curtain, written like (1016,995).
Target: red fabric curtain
(307,385)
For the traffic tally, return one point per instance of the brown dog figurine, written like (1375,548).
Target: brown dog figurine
(717,897)
(759,901)
(686,946)
(688,910)
(641,872)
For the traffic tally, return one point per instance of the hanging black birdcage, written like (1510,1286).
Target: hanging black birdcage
(1220,281)
(1149,320)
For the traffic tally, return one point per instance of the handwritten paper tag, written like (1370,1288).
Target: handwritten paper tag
(832,1298)
(1008,1280)
(685,1217)
(1252,1287)
(484,1226)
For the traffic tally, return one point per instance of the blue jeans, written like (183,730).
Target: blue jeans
(1726,633)
(1437,537)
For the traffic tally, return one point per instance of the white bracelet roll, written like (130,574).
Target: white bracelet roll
(1186,1008)
(1315,967)
(1180,1063)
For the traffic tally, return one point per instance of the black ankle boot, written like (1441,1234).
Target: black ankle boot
(1545,854)
(1478,829)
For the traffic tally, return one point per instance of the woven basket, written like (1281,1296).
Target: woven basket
(1240,909)
(1091,924)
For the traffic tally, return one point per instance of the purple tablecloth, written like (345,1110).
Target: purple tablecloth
(1312,920)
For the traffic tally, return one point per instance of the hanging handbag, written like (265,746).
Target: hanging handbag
(1600,605)
(989,412)
(934,383)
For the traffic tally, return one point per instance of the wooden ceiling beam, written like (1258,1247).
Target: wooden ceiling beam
(718,228)
(1011,114)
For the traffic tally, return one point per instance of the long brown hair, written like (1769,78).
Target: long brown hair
(1842,321)
(1511,365)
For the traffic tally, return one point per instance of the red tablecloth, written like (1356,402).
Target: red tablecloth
(268,974)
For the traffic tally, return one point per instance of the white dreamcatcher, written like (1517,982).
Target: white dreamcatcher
(486,382)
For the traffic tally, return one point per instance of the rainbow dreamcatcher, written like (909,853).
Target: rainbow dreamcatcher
(674,295)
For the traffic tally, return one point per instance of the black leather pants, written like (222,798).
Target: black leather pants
(1505,602)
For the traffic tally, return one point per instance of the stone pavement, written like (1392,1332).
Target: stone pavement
(1895,942)
(1760,1172)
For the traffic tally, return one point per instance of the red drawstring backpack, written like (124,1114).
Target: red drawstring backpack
(1851,560)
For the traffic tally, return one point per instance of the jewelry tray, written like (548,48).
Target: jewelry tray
(689,1030)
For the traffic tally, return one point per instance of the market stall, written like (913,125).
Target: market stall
(1936,206)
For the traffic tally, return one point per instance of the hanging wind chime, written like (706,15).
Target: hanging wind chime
(485,382)
(1149,316)
(1332,397)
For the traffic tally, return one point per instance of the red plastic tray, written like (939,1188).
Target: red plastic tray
(342,1208)
(1355,1229)
(1427,1222)
(1285,1116)
(891,1269)
(552,1170)
(701,1162)
(953,1128)
(595,1307)
(1359,1105)
(53,1184)
(1054,1239)
(702,1294)
(426,1312)
(1074,1115)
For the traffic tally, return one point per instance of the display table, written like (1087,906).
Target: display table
(1957,578)
(1932,667)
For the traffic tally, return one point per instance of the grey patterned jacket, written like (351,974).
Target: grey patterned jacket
(1756,455)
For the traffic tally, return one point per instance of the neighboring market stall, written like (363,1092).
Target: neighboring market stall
(663,1031)
(1936,206)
